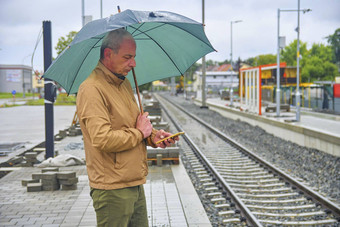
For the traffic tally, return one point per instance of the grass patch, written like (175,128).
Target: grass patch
(4,95)
(8,105)
(62,100)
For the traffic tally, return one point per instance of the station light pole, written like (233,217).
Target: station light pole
(231,59)
(279,45)
(204,98)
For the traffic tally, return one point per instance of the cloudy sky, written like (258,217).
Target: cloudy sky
(21,22)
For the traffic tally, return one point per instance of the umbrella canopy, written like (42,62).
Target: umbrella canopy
(167,45)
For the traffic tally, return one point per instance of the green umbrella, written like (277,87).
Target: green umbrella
(167,45)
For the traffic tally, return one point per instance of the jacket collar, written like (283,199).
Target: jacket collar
(109,76)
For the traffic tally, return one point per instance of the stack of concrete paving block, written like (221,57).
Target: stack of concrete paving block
(146,95)
(161,125)
(50,179)
(169,153)
(153,109)
(16,160)
(68,180)
(30,159)
(155,119)
(34,187)
(61,135)
(74,131)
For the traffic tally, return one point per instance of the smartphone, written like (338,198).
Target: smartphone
(173,135)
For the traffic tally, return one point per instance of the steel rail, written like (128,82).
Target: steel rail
(250,218)
(316,197)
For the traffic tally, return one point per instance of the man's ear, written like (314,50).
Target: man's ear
(107,52)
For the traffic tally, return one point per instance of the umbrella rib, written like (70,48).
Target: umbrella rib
(163,24)
(153,28)
(82,64)
(193,36)
(162,50)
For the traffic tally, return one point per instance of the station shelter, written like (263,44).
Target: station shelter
(258,84)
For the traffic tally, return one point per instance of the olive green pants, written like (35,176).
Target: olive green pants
(120,207)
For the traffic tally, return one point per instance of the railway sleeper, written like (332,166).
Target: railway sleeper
(281,208)
(211,189)
(238,173)
(274,190)
(227,213)
(232,221)
(206,179)
(242,169)
(218,200)
(209,184)
(233,163)
(283,195)
(197,167)
(203,175)
(242,166)
(291,201)
(256,185)
(201,172)
(233,177)
(222,205)
(299,223)
(214,194)
(228,161)
(292,215)
(270,180)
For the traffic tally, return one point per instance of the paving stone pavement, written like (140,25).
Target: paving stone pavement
(74,207)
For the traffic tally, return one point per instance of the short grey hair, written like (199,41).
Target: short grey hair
(113,40)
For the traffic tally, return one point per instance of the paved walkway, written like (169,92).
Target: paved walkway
(171,198)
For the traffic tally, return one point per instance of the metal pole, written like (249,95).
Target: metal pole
(173,86)
(49,118)
(23,84)
(101,8)
(297,94)
(278,66)
(231,59)
(231,62)
(204,104)
(83,12)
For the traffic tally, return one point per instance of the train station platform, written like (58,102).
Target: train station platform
(171,197)
(315,130)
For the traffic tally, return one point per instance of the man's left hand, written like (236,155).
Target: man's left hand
(161,134)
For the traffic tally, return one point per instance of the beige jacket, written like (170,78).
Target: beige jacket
(115,150)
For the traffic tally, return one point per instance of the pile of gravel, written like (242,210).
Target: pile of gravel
(318,170)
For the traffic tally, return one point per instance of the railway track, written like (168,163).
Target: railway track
(243,188)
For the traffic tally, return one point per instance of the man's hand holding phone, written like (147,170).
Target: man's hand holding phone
(164,139)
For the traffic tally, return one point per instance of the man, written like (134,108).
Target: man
(115,135)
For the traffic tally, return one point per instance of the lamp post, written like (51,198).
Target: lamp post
(204,98)
(278,57)
(231,59)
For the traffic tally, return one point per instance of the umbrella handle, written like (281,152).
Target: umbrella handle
(136,85)
(137,90)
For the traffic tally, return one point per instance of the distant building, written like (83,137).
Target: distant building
(219,79)
(15,77)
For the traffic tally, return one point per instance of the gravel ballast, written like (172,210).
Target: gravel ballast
(316,169)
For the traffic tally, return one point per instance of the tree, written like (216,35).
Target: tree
(289,53)
(325,53)
(263,59)
(192,70)
(318,64)
(250,61)
(334,41)
(64,42)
